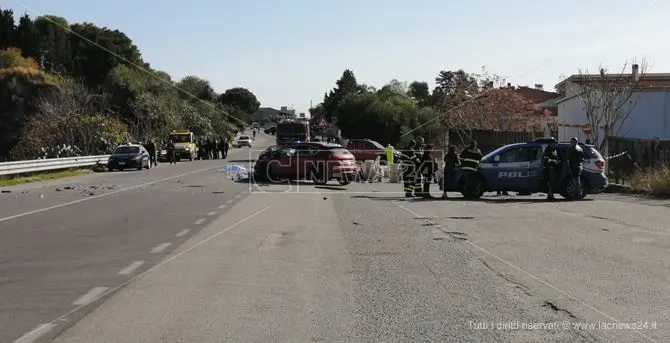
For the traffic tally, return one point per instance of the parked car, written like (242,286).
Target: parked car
(518,168)
(319,162)
(243,141)
(365,149)
(129,156)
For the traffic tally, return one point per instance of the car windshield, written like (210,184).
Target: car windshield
(377,145)
(125,150)
(181,138)
(244,138)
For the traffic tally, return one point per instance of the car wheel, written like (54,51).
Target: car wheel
(475,191)
(573,191)
(148,165)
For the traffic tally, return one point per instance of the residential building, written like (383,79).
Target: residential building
(648,105)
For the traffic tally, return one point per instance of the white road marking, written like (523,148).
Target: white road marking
(103,195)
(91,296)
(160,264)
(229,201)
(183,232)
(160,247)
(237,196)
(34,335)
(199,221)
(222,207)
(211,213)
(536,278)
(131,268)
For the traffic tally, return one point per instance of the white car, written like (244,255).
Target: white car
(243,141)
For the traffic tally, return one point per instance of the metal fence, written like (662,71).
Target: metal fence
(49,164)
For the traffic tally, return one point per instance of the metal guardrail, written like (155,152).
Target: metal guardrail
(48,164)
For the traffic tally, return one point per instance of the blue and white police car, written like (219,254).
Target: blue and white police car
(518,168)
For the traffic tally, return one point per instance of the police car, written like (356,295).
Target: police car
(518,168)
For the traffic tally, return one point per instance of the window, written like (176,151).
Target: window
(372,145)
(536,153)
(286,152)
(179,138)
(122,150)
(515,155)
(306,151)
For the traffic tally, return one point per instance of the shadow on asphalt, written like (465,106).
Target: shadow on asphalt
(528,201)
(332,188)
(241,161)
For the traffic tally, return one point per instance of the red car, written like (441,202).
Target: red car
(365,149)
(319,162)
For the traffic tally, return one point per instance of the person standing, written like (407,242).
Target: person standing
(551,163)
(451,161)
(226,145)
(575,160)
(151,149)
(171,153)
(470,159)
(427,170)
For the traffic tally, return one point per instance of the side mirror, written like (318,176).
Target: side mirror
(496,158)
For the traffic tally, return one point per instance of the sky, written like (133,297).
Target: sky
(290,52)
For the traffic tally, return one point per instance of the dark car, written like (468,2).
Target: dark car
(518,168)
(129,156)
(271,130)
(319,162)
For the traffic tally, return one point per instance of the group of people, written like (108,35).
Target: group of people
(420,167)
(212,149)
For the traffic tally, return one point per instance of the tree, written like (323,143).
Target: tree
(498,109)
(7,29)
(193,86)
(241,101)
(609,100)
(420,92)
(98,51)
(28,37)
(69,117)
(345,86)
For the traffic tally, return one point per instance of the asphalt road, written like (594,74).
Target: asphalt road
(301,263)
(65,243)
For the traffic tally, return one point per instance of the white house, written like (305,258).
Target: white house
(648,119)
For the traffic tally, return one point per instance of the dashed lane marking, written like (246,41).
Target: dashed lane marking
(131,268)
(104,194)
(211,213)
(222,207)
(160,247)
(63,317)
(91,296)
(183,232)
(34,335)
(199,221)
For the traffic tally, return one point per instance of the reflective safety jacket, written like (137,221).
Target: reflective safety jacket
(470,158)
(551,158)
